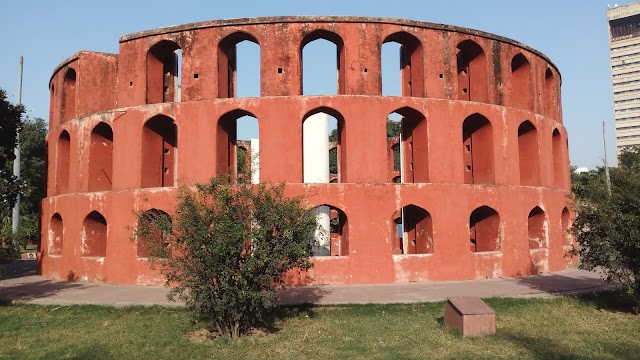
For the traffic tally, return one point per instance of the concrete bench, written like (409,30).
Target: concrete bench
(470,315)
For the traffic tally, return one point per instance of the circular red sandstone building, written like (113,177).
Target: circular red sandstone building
(480,185)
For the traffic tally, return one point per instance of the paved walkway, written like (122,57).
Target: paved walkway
(20,283)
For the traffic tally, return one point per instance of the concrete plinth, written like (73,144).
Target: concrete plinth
(470,315)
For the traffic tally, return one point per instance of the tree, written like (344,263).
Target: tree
(33,182)
(607,226)
(229,248)
(9,126)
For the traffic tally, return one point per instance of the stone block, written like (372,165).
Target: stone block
(470,315)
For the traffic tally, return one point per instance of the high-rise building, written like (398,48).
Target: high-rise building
(624,50)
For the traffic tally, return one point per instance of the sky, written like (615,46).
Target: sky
(572,33)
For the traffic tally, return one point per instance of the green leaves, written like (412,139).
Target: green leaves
(229,248)
(608,227)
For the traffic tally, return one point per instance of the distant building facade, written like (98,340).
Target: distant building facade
(624,51)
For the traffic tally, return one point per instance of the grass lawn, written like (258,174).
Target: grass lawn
(598,327)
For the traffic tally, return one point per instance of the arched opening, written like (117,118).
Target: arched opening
(56,232)
(235,128)
(154,232)
(408,50)
(529,156)
(537,228)
(393,157)
(63,162)
(472,72)
(520,75)
(414,144)
(323,146)
(164,68)
(159,152)
(69,95)
(477,142)
(549,93)
(94,235)
(484,230)
(319,66)
(320,141)
(556,140)
(238,66)
(52,98)
(331,237)
(413,231)
(566,227)
(101,158)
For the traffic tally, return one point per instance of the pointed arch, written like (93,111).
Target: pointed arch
(537,228)
(520,82)
(484,230)
(566,224)
(163,69)
(558,162)
(63,162)
(56,235)
(94,235)
(471,64)
(528,154)
(69,94)
(101,158)
(414,153)
(477,142)
(413,231)
(158,224)
(340,56)
(227,146)
(159,152)
(332,235)
(340,142)
(411,63)
(228,62)
(550,93)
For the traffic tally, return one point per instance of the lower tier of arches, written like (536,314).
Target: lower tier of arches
(386,233)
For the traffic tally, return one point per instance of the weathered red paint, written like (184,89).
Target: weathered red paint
(485,138)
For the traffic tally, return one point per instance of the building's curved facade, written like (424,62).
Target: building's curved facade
(486,177)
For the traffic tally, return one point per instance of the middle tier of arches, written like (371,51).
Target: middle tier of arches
(452,142)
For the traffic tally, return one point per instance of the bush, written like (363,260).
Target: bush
(228,249)
(607,226)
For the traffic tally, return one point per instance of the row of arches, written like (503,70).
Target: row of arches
(164,74)
(408,155)
(411,225)
(471,64)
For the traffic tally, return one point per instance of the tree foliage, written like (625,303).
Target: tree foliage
(9,126)
(228,249)
(607,226)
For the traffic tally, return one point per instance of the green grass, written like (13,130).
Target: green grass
(598,327)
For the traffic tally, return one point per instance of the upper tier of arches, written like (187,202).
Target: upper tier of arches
(199,61)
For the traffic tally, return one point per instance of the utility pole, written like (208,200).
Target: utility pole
(15,218)
(606,164)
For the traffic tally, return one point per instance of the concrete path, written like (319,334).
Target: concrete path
(20,283)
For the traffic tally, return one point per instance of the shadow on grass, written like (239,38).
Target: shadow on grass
(545,348)
(612,300)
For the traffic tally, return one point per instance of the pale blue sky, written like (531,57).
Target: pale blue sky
(572,33)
